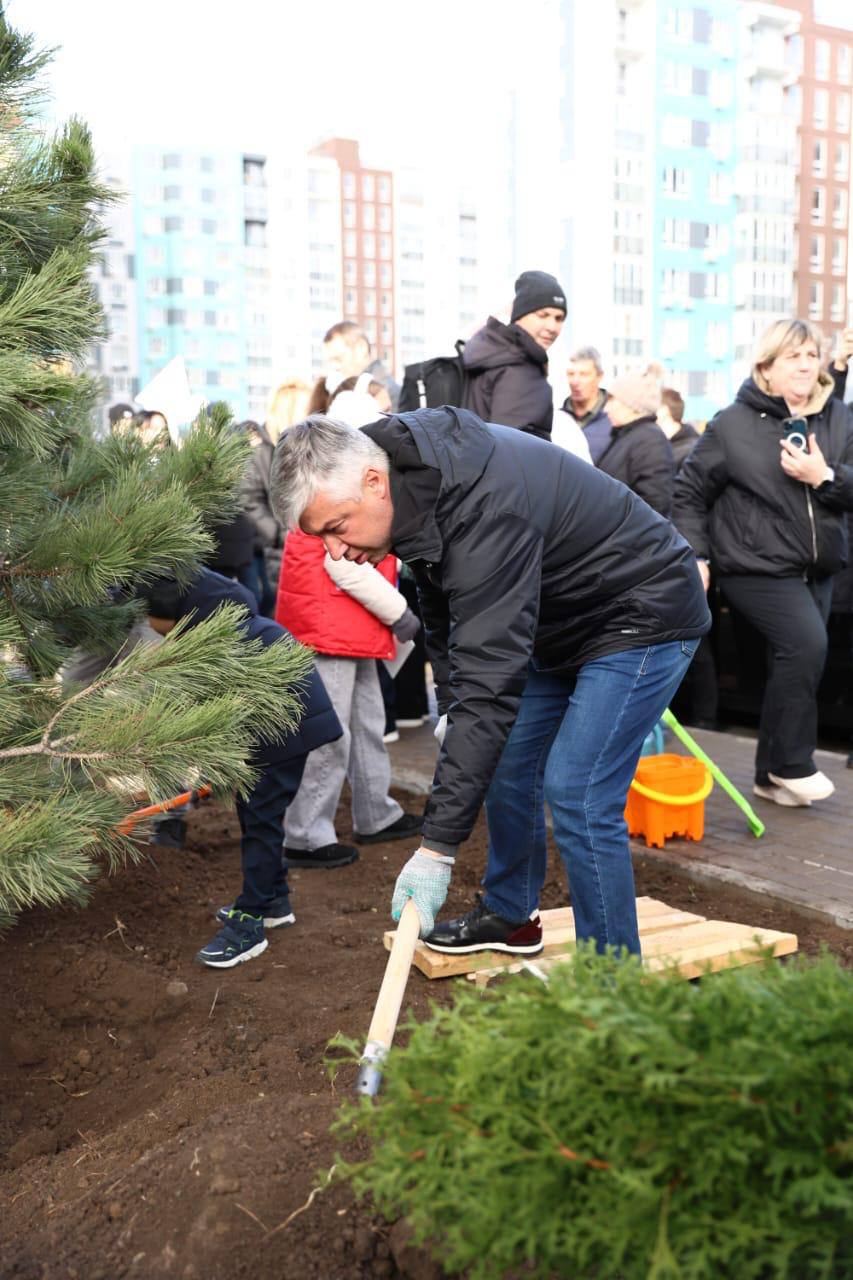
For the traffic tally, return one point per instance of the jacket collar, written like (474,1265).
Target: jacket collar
(436,456)
(753,392)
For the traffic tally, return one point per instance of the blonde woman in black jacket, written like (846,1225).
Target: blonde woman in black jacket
(762,498)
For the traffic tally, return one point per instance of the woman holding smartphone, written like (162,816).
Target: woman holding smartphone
(762,500)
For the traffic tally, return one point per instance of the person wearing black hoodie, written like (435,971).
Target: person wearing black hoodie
(763,498)
(264,902)
(506,365)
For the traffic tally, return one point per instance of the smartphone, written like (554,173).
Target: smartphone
(796,432)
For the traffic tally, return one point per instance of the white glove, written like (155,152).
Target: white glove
(425,880)
(440,729)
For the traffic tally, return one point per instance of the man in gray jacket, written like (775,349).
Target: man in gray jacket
(561,613)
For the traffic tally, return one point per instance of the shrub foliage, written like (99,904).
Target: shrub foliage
(611,1125)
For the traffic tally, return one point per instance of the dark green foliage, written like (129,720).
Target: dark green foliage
(623,1127)
(82,521)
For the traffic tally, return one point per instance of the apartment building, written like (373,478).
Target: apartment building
(821,89)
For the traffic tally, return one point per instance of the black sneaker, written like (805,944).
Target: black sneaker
(241,938)
(170,833)
(328,855)
(407,825)
(276,914)
(482,930)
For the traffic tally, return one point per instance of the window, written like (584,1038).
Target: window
(675,131)
(842,161)
(821,108)
(172,161)
(386,302)
(720,89)
(839,254)
(385,246)
(818,206)
(842,113)
(370,302)
(836,310)
(844,63)
(675,337)
(676,182)
(367,187)
(816,253)
(821,59)
(368,217)
(676,233)
(156,255)
(716,287)
(173,224)
(369,272)
(385,190)
(677,24)
(350,244)
(349,213)
(254,174)
(719,187)
(697,382)
(176,315)
(676,78)
(368,245)
(350,271)
(700,81)
(385,274)
(839,208)
(351,299)
(815,300)
(819,151)
(208,227)
(255,234)
(171,192)
(207,164)
(349,185)
(208,195)
(156,284)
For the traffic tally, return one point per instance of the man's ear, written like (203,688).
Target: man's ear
(376,481)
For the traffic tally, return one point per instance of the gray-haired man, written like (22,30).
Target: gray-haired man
(587,400)
(560,614)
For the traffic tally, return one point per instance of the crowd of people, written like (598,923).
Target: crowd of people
(551,565)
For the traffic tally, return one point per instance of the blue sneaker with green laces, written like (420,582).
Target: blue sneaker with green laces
(276,913)
(241,938)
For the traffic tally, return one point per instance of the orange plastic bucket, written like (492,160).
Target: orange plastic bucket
(667,798)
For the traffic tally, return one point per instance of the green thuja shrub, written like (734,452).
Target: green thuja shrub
(610,1125)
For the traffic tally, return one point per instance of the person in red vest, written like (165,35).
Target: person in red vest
(350,615)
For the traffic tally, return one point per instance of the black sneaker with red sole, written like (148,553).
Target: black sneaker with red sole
(482,930)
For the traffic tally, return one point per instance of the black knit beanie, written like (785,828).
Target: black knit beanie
(533,290)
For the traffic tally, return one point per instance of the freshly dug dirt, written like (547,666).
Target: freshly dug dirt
(159,1119)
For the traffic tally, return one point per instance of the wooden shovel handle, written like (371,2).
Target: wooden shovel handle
(390,998)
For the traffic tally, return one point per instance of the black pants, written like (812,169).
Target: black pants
(791,615)
(410,682)
(261,817)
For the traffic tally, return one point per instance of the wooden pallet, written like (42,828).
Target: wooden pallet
(669,938)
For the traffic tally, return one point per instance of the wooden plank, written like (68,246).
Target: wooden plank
(693,951)
(558,933)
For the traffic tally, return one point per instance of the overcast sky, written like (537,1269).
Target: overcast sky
(398,74)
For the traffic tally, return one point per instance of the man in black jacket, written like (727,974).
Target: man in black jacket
(638,453)
(507,364)
(541,581)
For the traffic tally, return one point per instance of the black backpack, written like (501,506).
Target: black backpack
(431,383)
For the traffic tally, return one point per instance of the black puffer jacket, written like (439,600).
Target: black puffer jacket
(520,551)
(639,455)
(735,505)
(508,378)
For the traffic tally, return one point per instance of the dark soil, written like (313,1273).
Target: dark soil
(161,1119)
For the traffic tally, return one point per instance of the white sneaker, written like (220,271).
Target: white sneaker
(780,796)
(393,736)
(815,787)
(414,723)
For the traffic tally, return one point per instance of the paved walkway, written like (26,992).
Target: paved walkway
(804,858)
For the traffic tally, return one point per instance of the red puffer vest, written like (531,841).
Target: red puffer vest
(318,613)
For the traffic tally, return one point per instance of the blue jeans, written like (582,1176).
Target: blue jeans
(575,744)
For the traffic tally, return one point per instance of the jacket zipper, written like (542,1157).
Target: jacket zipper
(812,524)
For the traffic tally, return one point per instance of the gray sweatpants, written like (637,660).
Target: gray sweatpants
(359,755)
